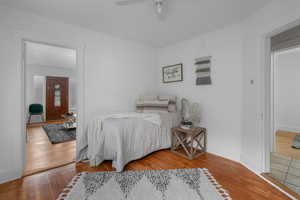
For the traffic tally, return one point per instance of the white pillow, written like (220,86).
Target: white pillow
(172,107)
(148,98)
(167,98)
(156,103)
(150,110)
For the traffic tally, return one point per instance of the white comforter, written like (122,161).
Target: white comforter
(127,136)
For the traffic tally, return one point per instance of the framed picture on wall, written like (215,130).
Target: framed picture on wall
(172,73)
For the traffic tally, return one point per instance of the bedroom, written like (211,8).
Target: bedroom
(121,57)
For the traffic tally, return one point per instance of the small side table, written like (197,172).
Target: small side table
(189,143)
(70,121)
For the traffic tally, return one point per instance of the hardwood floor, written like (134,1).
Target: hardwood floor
(236,179)
(42,155)
(269,177)
(35,124)
(284,141)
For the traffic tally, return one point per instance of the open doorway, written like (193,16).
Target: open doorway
(287,102)
(284,154)
(50,105)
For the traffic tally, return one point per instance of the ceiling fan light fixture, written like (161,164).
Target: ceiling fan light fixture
(159,6)
(159,9)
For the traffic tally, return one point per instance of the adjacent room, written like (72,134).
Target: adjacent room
(51,105)
(286,154)
(149,99)
(287,125)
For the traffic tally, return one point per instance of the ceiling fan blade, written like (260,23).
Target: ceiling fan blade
(129,2)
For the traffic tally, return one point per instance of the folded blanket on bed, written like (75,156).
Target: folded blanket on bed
(151,117)
(93,140)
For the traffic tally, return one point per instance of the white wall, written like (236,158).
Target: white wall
(272,17)
(287,89)
(116,72)
(38,90)
(220,102)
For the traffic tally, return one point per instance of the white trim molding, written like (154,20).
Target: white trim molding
(266,109)
(258,173)
(6,176)
(289,129)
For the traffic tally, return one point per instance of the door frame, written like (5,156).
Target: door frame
(80,76)
(267,115)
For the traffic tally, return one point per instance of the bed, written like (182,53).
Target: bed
(124,137)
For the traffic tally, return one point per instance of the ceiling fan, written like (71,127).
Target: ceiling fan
(158,4)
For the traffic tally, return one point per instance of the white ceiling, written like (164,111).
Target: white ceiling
(50,56)
(185,19)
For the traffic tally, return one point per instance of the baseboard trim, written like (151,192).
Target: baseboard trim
(227,156)
(268,181)
(246,163)
(40,170)
(6,176)
(289,129)
(285,188)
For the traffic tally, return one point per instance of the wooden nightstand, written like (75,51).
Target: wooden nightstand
(189,143)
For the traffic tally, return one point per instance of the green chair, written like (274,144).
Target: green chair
(35,109)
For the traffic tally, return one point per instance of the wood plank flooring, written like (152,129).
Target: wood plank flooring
(41,154)
(35,124)
(284,141)
(269,177)
(236,179)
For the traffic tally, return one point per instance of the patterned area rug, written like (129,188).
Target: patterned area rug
(179,184)
(58,134)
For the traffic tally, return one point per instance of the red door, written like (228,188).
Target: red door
(57,97)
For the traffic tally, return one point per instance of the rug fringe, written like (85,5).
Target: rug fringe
(224,193)
(67,189)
